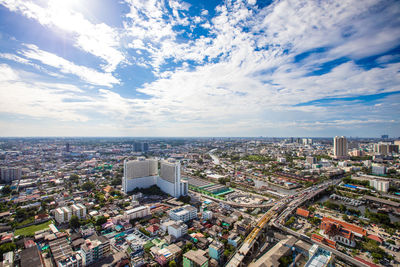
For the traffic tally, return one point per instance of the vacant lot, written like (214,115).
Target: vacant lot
(30,230)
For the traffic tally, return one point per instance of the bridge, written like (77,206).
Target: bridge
(296,200)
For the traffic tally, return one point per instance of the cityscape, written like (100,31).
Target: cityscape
(233,133)
(200,201)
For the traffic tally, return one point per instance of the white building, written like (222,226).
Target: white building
(143,173)
(79,211)
(340,149)
(138,212)
(207,215)
(380,185)
(184,213)
(177,229)
(94,249)
(63,215)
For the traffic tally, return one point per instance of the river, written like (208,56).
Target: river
(214,157)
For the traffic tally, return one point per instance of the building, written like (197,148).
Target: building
(63,255)
(311,160)
(216,250)
(138,212)
(31,257)
(340,147)
(341,232)
(10,174)
(380,185)
(140,147)
(143,173)
(177,229)
(207,215)
(386,148)
(94,249)
(184,213)
(378,170)
(302,212)
(63,215)
(336,232)
(195,258)
(79,211)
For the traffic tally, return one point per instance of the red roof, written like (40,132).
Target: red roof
(376,238)
(153,228)
(302,212)
(324,240)
(351,227)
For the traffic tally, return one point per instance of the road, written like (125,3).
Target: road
(277,213)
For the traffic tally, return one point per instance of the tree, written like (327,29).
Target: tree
(172,264)
(101,220)
(88,186)
(6,190)
(74,222)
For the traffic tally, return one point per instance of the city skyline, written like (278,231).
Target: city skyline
(190,69)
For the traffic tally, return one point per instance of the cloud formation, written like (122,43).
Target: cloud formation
(238,68)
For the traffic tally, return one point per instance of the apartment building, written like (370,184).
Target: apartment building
(177,229)
(138,212)
(63,215)
(94,249)
(79,211)
(184,213)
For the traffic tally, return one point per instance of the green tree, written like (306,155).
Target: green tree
(88,186)
(172,264)
(74,222)
(101,220)
(6,190)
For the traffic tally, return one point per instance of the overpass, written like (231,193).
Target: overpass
(298,199)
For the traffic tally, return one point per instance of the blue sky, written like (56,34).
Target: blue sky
(199,68)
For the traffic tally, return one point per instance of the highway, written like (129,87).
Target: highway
(279,211)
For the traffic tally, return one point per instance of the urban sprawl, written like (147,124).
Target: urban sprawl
(314,202)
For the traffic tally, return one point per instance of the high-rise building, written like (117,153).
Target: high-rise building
(10,174)
(340,147)
(67,147)
(140,147)
(143,173)
(385,148)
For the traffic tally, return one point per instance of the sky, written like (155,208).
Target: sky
(199,68)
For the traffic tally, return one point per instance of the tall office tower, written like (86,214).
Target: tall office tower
(140,147)
(340,147)
(385,136)
(67,147)
(143,173)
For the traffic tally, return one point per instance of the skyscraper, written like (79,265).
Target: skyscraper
(340,147)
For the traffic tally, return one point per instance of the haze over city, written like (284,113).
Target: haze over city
(199,68)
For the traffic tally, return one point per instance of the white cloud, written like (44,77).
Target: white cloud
(7,73)
(99,39)
(87,74)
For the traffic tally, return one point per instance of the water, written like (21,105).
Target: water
(214,157)
(280,190)
(361,208)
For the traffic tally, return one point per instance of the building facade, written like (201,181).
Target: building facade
(10,174)
(63,215)
(340,148)
(185,213)
(143,173)
(79,211)
(138,212)
(94,249)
